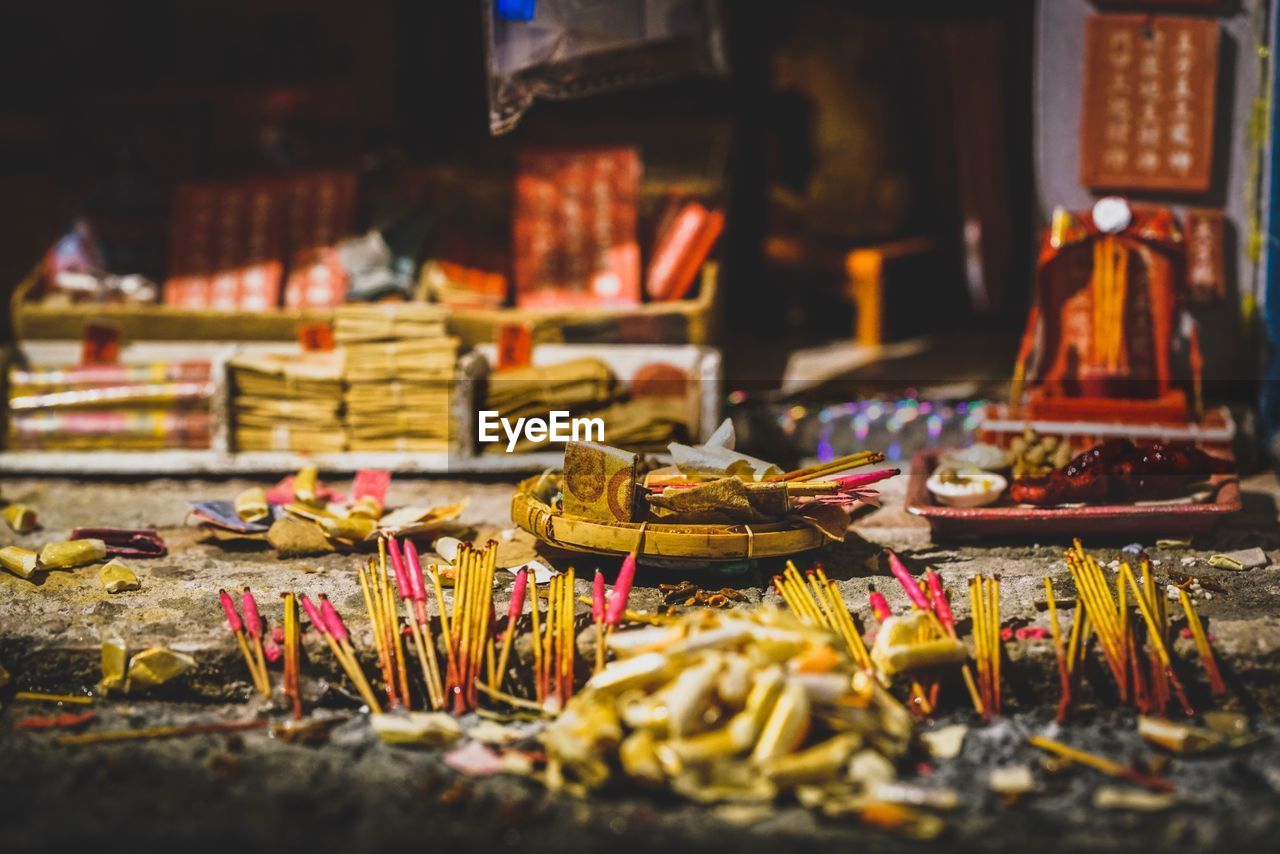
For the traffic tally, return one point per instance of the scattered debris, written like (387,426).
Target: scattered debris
(23,563)
(156,666)
(1178,737)
(1137,800)
(689,595)
(1011,780)
(72,553)
(431,729)
(126,542)
(1173,544)
(475,760)
(292,537)
(945,742)
(21,518)
(1238,561)
(115,664)
(116,577)
(70,720)
(672,714)
(1098,763)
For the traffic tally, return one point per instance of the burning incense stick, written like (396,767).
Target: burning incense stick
(984,601)
(839,464)
(340,643)
(237,628)
(1216,685)
(1098,763)
(349,666)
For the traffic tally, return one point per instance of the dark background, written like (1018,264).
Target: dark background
(106,105)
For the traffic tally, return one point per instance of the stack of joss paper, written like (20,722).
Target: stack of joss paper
(587,387)
(111,406)
(287,402)
(399,364)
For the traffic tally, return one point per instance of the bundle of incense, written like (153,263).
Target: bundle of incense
(1156,641)
(349,664)
(341,640)
(1216,685)
(1098,763)
(384,625)
(984,602)
(1103,613)
(514,609)
(1060,653)
(834,467)
(236,625)
(413,593)
(942,610)
(254,626)
(1109,620)
(470,623)
(555,681)
(797,489)
(292,663)
(1160,607)
(923,701)
(819,603)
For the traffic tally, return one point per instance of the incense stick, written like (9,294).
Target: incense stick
(1098,763)
(350,667)
(1216,685)
(1064,677)
(292,639)
(158,732)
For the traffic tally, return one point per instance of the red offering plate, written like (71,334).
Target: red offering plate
(1005,518)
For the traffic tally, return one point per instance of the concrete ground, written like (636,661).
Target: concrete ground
(357,794)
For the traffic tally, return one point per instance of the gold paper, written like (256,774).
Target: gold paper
(115,658)
(251,505)
(599,482)
(118,578)
(71,553)
(156,666)
(21,562)
(21,518)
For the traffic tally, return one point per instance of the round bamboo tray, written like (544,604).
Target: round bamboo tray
(662,543)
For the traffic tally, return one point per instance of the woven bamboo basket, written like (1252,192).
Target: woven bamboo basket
(684,543)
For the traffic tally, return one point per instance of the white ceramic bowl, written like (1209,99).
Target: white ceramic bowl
(979,488)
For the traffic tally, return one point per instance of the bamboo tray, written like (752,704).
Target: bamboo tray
(684,543)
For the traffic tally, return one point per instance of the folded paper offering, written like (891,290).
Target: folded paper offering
(717,456)
(125,542)
(599,482)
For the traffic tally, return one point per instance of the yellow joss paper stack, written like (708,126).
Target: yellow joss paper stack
(398,364)
(287,402)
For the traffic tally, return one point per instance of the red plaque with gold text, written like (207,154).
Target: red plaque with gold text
(1147,119)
